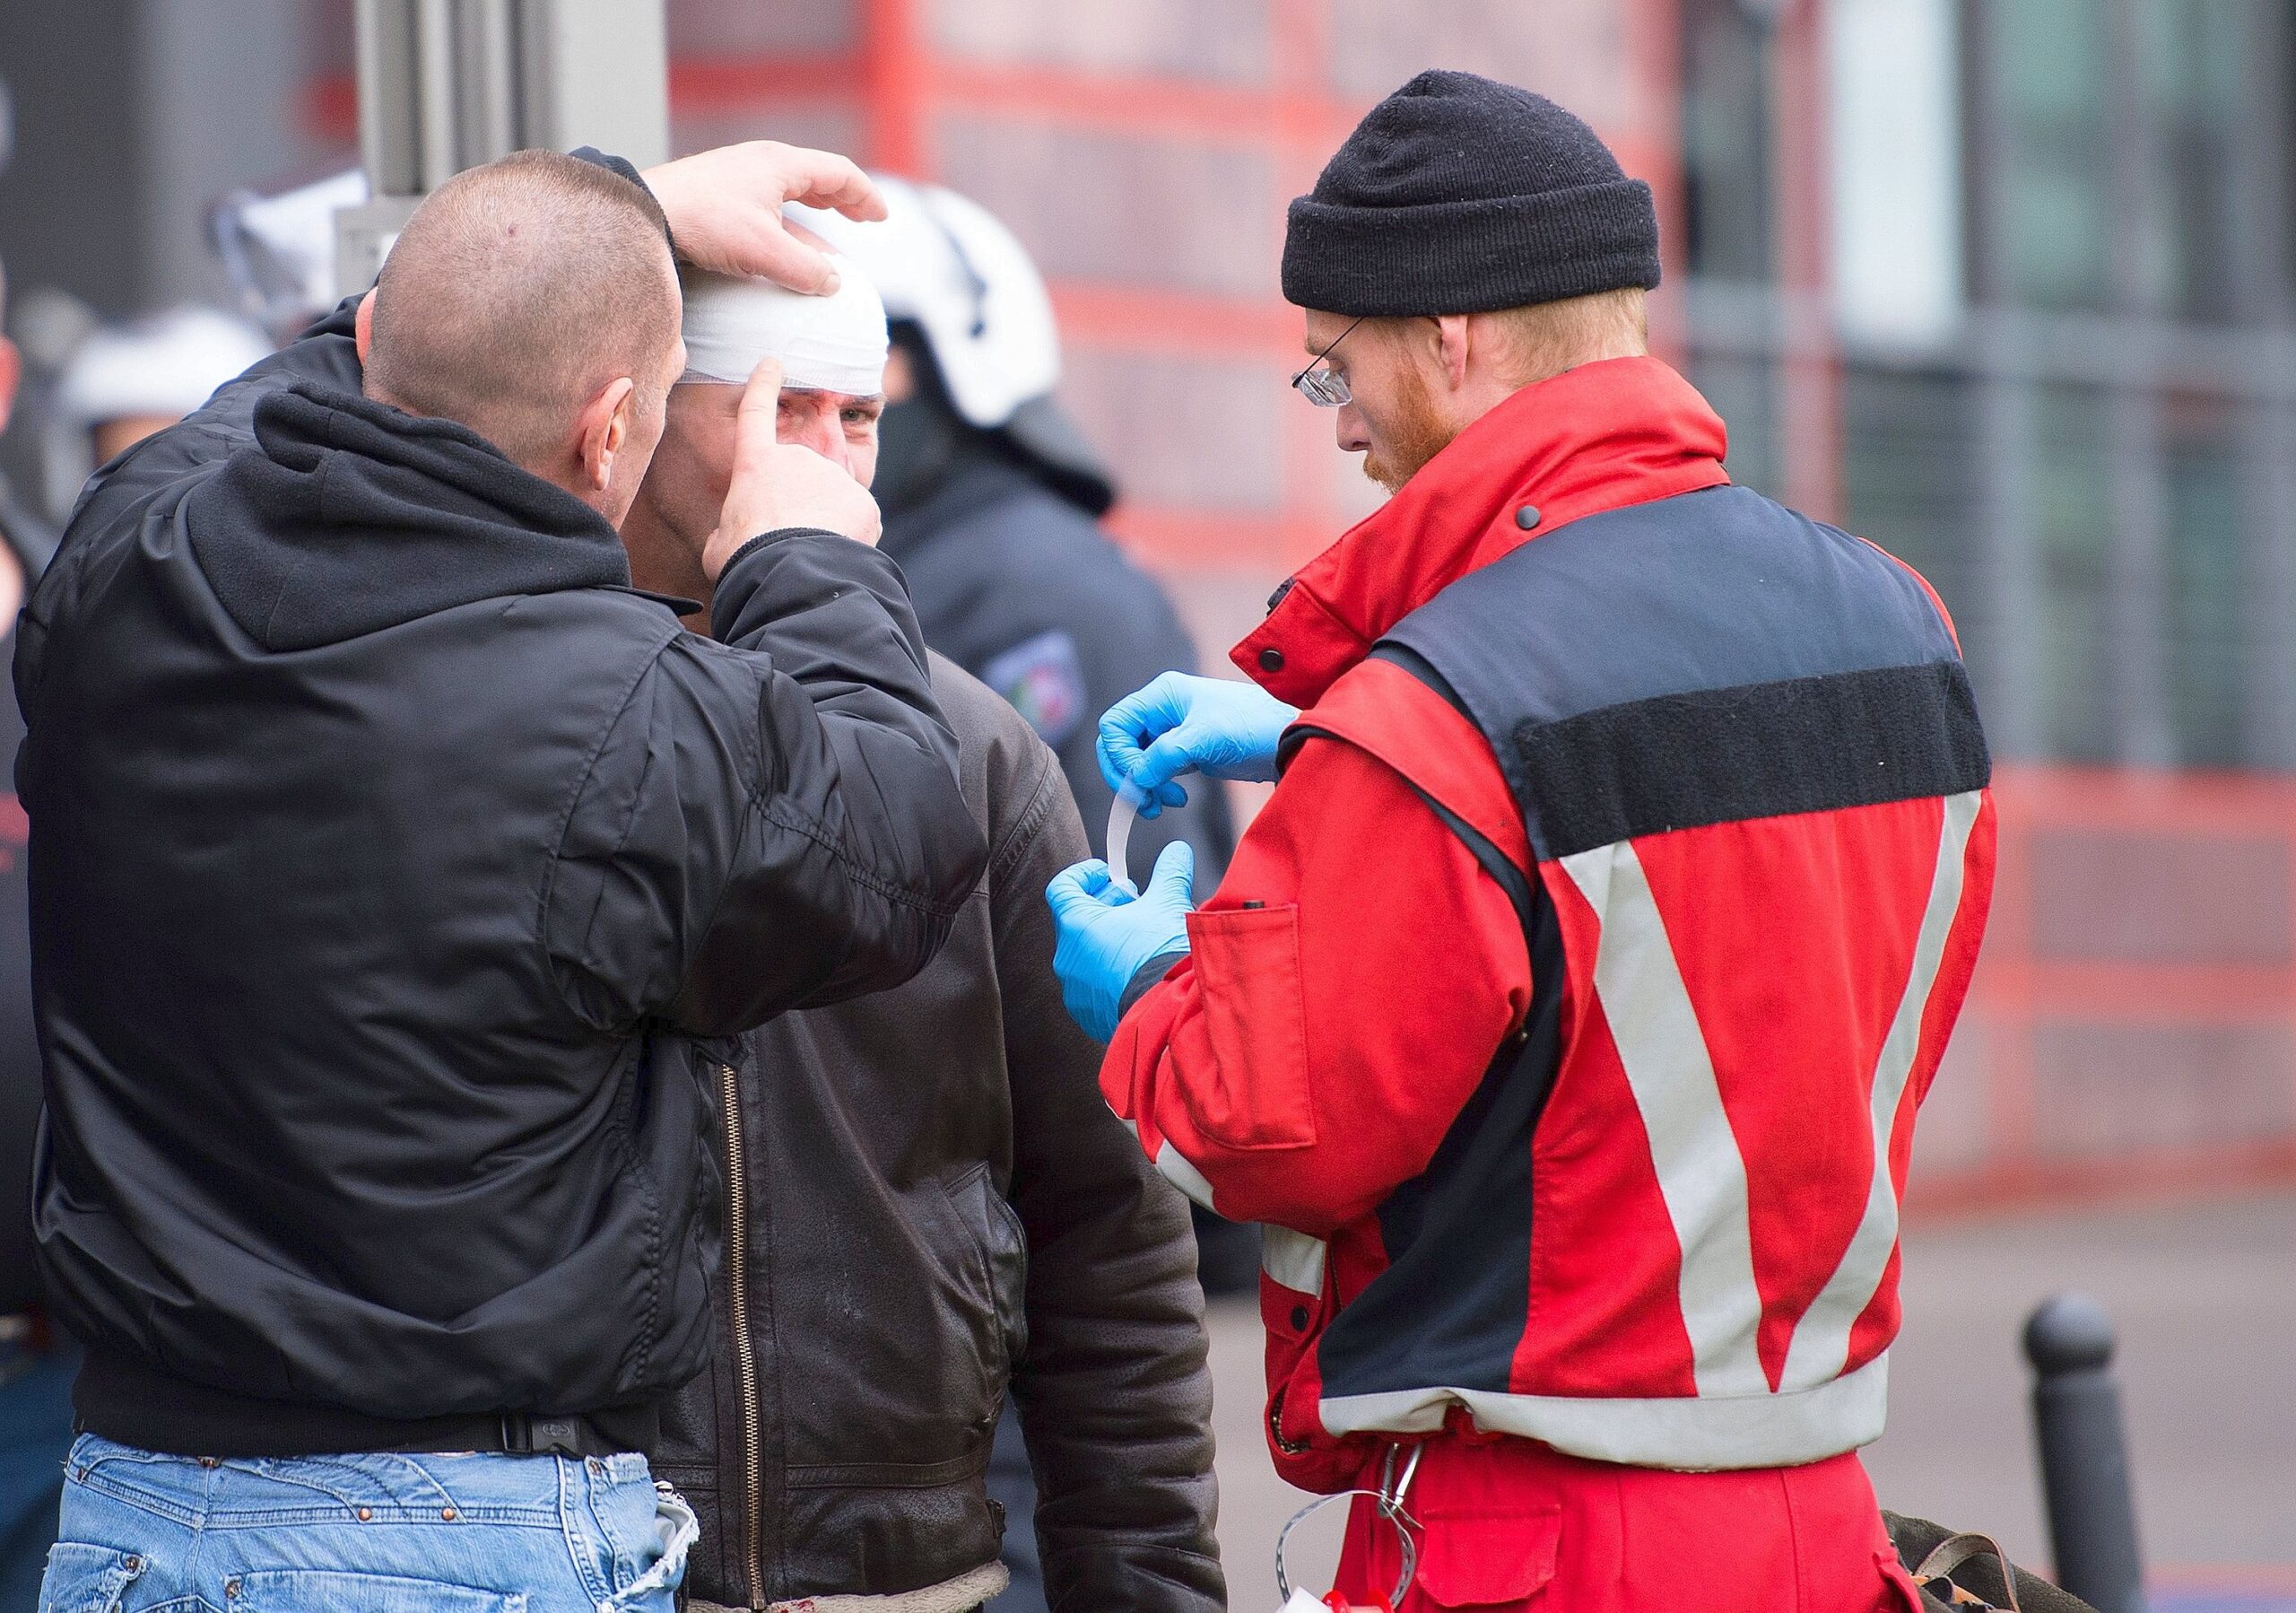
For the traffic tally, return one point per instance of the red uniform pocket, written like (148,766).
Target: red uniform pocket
(1493,1560)
(1247,969)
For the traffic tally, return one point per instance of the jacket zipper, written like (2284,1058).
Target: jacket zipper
(737,1320)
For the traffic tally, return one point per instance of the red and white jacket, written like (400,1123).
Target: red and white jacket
(1565,1013)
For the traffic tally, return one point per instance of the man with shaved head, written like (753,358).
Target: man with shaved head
(514,297)
(402,878)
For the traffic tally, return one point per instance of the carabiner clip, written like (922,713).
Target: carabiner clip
(1389,1498)
(1391,1492)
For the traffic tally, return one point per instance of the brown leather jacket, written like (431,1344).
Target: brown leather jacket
(932,1202)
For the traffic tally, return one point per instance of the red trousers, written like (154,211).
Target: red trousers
(1508,1523)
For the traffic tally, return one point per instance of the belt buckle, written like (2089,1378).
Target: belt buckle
(526,1434)
(559,1436)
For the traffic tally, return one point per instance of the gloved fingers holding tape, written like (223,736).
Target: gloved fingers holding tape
(1107,934)
(1180,724)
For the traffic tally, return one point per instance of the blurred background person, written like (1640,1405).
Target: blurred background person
(992,501)
(993,498)
(36,1361)
(126,383)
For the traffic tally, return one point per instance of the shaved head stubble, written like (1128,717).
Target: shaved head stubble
(516,293)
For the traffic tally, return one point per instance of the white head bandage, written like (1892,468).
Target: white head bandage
(834,343)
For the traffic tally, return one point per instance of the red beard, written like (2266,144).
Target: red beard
(1414,435)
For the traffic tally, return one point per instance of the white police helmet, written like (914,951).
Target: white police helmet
(947,264)
(169,364)
(278,252)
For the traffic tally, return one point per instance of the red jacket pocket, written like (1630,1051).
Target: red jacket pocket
(1488,1559)
(1254,1012)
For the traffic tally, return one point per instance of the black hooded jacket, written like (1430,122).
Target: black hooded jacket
(394,864)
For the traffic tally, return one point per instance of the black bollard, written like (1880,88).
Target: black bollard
(2084,1454)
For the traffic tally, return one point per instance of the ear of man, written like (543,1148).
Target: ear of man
(602,430)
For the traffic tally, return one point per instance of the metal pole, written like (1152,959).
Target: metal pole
(2007,659)
(438,71)
(2084,1454)
(1810,375)
(487,98)
(2257,193)
(447,84)
(388,143)
(595,73)
(2136,657)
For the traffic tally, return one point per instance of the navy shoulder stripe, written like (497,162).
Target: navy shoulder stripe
(1705,659)
(1713,589)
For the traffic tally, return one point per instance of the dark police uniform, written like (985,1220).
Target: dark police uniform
(1022,589)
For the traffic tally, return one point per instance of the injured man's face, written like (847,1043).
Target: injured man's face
(832,354)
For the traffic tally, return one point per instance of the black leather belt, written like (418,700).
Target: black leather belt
(519,1434)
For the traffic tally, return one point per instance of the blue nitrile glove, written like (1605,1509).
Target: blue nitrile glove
(1207,725)
(1106,933)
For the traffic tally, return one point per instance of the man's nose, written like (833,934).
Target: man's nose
(1354,435)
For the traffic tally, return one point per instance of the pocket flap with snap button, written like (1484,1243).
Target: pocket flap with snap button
(1488,1559)
(1254,1011)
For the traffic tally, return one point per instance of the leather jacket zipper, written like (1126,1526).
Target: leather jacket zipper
(737,1320)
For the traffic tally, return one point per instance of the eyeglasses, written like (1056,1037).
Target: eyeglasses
(1324,387)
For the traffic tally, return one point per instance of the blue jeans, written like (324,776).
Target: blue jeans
(373,1534)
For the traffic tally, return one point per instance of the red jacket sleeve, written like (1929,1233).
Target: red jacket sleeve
(1345,989)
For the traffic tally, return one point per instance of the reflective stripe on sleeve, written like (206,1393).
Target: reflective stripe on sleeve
(1293,1259)
(1184,1176)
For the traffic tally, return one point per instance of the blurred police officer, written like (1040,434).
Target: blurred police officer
(992,502)
(992,498)
(126,383)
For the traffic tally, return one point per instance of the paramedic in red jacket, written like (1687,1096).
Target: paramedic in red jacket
(1565,1012)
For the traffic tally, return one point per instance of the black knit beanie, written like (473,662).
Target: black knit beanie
(1458,194)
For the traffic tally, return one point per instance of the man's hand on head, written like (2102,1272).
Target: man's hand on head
(724,208)
(776,486)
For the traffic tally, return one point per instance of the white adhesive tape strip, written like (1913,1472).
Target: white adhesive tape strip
(1121,815)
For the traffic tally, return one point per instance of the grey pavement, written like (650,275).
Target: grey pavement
(2204,1297)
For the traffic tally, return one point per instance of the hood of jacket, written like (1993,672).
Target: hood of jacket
(347,517)
(1616,432)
